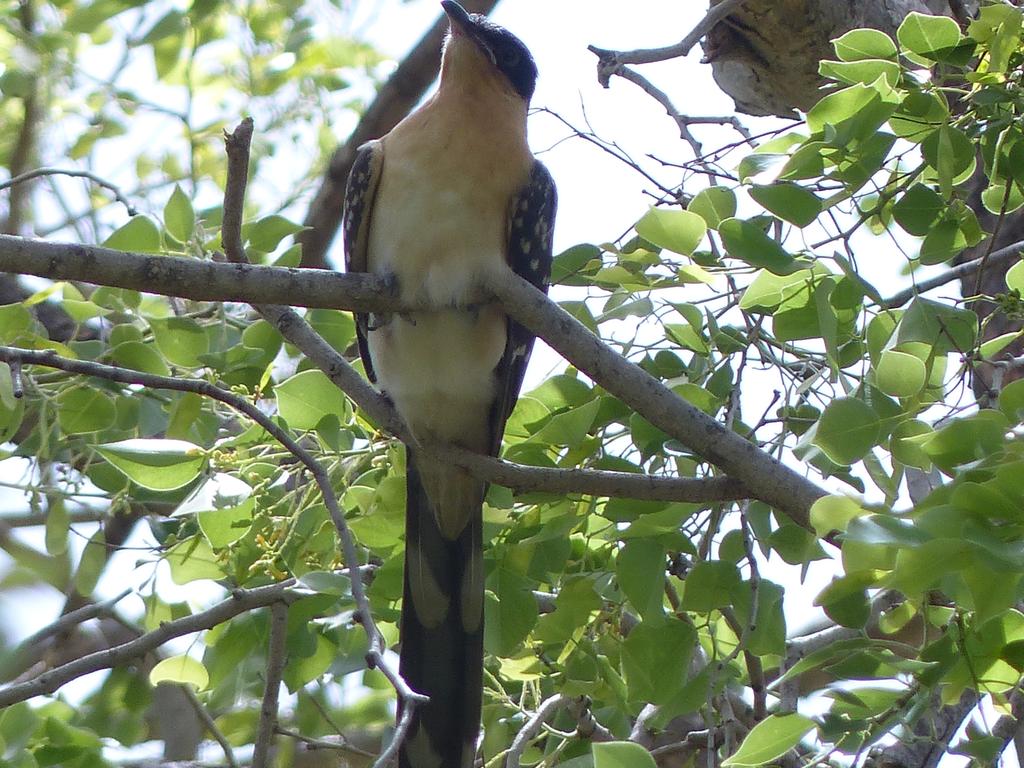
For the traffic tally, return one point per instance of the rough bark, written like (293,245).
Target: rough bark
(765,54)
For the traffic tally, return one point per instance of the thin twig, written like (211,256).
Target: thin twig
(74,618)
(340,744)
(609,59)
(275,669)
(75,173)
(533,727)
(241,601)
(781,486)
(210,724)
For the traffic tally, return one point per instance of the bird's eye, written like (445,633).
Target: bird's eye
(510,57)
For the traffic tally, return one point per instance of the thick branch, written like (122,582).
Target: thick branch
(766,478)
(192,279)
(996,258)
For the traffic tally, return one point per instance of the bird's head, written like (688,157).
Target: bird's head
(479,48)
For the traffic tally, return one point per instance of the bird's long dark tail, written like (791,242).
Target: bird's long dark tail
(441,632)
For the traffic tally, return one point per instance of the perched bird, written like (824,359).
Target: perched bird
(451,196)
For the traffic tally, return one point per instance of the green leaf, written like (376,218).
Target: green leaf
(905,444)
(160,465)
(87,17)
(180,669)
(942,327)
(711,584)
(919,115)
(687,337)
(966,440)
(788,201)
(834,513)
(928,36)
(951,154)
(140,357)
(90,566)
(58,524)
(861,44)
(510,611)
(179,218)
(859,106)
(307,397)
(677,231)
(900,375)
(770,739)
(748,242)
(714,205)
(1011,401)
(193,560)
(640,570)
(302,669)
(140,235)
(568,428)
(327,583)
(15,320)
(81,410)
(917,209)
(171,23)
(338,328)
(848,429)
(942,243)
(1015,277)
(866,71)
(621,754)
(845,599)
(223,527)
(181,340)
(563,391)
(655,659)
(265,235)
(568,266)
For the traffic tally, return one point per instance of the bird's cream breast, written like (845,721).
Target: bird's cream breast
(448,181)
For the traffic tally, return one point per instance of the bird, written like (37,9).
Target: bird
(450,198)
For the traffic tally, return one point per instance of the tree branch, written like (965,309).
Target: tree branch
(766,478)
(997,257)
(241,600)
(75,173)
(192,279)
(275,669)
(532,729)
(610,62)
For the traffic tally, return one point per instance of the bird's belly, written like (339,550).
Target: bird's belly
(438,369)
(441,246)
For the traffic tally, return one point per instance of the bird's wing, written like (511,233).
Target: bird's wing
(531,221)
(359,194)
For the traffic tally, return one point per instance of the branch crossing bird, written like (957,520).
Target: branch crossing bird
(447,199)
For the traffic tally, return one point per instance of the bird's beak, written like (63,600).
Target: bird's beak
(463,23)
